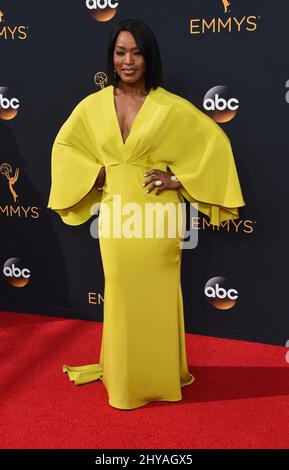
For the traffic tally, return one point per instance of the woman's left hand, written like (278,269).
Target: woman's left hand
(162,176)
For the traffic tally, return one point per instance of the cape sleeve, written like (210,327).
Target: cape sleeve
(74,169)
(205,166)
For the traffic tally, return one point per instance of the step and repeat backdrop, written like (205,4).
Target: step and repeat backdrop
(229,59)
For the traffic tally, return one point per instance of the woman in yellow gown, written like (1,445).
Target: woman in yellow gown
(127,140)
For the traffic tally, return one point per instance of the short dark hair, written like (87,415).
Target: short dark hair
(148,46)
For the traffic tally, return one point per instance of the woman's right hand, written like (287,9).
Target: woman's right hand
(100,180)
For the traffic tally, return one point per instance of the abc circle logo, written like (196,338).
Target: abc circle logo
(16,274)
(102,10)
(8,106)
(219,295)
(219,104)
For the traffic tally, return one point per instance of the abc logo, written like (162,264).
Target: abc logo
(220,105)
(15,273)
(219,295)
(5,103)
(8,106)
(102,10)
(101,4)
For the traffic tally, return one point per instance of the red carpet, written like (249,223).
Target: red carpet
(238,400)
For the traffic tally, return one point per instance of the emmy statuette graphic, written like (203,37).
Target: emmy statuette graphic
(100,79)
(6,171)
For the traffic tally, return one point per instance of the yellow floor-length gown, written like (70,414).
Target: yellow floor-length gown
(143,352)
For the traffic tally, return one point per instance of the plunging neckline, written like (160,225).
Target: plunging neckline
(136,118)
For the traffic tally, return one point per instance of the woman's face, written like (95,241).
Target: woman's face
(128,61)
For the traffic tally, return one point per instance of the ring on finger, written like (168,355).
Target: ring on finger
(158,183)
